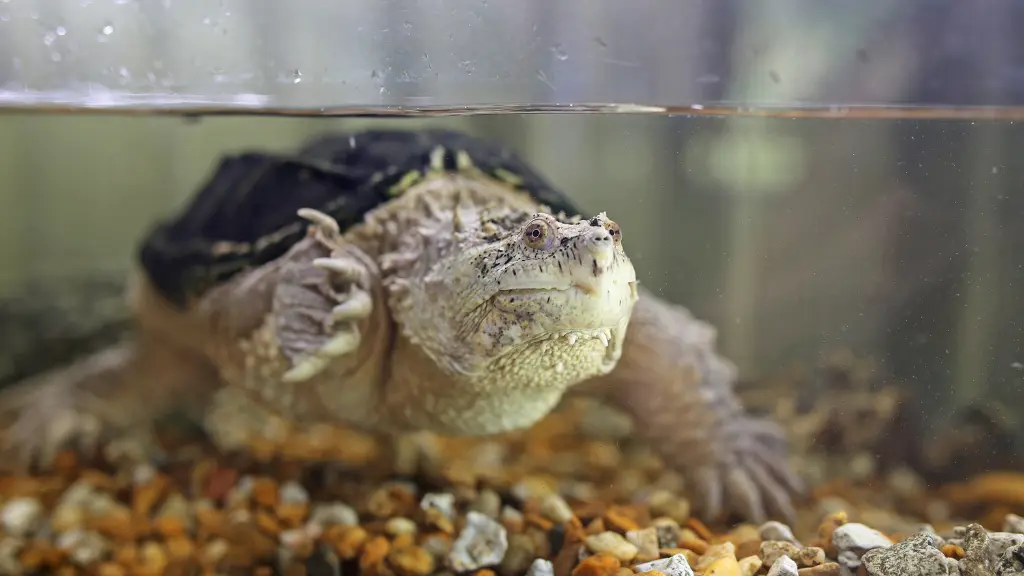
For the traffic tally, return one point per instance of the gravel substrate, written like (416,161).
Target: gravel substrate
(575,495)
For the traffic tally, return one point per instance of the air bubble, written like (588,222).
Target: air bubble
(559,52)
(108,29)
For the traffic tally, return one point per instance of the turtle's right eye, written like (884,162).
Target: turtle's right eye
(539,235)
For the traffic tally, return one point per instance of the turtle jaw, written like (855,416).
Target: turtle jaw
(575,310)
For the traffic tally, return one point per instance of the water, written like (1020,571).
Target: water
(105,101)
(861,265)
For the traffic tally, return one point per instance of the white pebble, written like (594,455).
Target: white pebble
(10,547)
(772,550)
(398,525)
(334,513)
(611,543)
(1013,523)
(441,501)
(241,491)
(143,474)
(783,566)
(102,504)
(1000,542)
(78,494)
(292,492)
(556,509)
(21,516)
(774,530)
(857,537)
(481,543)
(84,547)
(671,566)
(541,567)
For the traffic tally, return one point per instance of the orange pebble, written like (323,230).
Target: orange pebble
(267,523)
(698,546)
(701,530)
(294,514)
(180,548)
(118,526)
(616,519)
(146,496)
(348,541)
(953,551)
(264,492)
(170,526)
(209,521)
(539,521)
(371,561)
(111,569)
(601,564)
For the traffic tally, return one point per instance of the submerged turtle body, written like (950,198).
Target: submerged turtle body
(402,281)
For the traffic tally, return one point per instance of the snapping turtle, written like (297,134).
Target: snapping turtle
(406,280)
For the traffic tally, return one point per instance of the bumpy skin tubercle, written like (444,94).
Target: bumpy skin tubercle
(500,307)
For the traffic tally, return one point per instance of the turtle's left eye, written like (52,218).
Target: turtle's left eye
(614,230)
(539,235)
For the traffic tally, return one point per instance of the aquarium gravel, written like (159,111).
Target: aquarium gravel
(574,496)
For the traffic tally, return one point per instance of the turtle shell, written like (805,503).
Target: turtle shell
(245,215)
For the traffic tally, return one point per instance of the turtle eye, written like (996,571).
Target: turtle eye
(539,235)
(614,230)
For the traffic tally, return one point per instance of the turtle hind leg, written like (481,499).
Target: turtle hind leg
(123,388)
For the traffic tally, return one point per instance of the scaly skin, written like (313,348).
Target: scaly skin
(679,392)
(471,325)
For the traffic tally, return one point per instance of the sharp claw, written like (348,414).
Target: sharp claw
(341,343)
(745,494)
(358,306)
(320,219)
(782,474)
(336,265)
(709,489)
(305,369)
(777,496)
(348,271)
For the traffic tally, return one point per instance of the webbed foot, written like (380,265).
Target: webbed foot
(43,420)
(319,309)
(749,474)
(63,409)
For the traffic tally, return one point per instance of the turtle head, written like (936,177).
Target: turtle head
(526,303)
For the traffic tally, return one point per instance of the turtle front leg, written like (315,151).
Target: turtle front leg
(318,309)
(679,392)
(304,335)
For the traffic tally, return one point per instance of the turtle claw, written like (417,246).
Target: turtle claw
(48,419)
(751,478)
(323,222)
(357,307)
(335,294)
(342,343)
